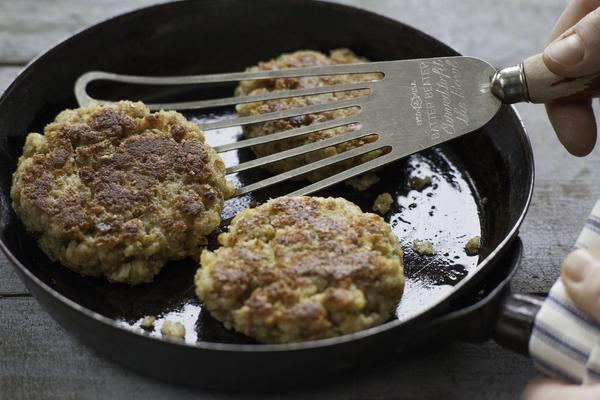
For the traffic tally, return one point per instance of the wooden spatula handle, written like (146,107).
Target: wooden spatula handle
(544,86)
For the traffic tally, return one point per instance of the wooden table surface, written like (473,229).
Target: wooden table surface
(39,360)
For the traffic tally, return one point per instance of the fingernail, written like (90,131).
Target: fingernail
(567,51)
(578,265)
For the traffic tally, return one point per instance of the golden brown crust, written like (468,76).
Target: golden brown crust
(383,203)
(423,247)
(301,59)
(302,268)
(473,245)
(118,191)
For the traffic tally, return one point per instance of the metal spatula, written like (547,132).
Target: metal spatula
(415,105)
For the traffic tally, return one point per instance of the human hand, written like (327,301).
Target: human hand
(575,52)
(581,277)
(552,389)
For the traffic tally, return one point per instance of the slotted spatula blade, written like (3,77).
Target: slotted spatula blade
(425,102)
(416,104)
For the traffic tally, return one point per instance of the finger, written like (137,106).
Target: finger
(581,277)
(550,389)
(575,52)
(575,126)
(575,11)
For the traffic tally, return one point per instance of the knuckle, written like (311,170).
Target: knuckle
(586,6)
(593,16)
(591,24)
(593,310)
(577,254)
(575,257)
(593,280)
(592,291)
(590,296)
(586,295)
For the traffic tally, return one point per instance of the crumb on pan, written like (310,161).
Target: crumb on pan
(148,322)
(363,182)
(419,183)
(174,330)
(473,245)
(423,247)
(302,268)
(117,191)
(383,203)
(300,59)
(484,200)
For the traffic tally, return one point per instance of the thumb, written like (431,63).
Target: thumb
(581,277)
(577,51)
(549,389)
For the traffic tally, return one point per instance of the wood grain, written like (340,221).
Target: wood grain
(544,86)
(39,360)
(30,26)
(10,284)
(7,74)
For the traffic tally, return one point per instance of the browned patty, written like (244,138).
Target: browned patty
(118,191)
(302,268)
(300,59)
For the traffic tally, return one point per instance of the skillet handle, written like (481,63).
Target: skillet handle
(515,321)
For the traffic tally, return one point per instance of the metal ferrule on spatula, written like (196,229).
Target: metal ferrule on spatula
(510,86)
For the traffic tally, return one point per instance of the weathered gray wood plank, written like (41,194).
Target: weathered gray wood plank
(39,360)
(566,189)
(28,27)
(501,33)
(7,74)
(10,284)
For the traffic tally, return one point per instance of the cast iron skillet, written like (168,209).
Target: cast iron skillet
(448,296)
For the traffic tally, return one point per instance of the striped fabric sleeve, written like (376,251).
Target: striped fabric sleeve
(565,342)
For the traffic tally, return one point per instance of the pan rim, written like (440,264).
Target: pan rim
(261,348)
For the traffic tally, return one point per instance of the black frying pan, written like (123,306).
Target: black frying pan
(448,296)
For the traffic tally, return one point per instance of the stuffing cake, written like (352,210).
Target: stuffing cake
(302,268)
(301,59)
(118,191)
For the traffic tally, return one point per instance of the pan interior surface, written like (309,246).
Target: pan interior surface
(448,213)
